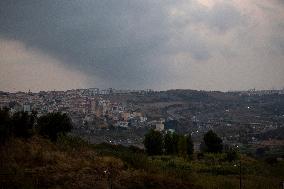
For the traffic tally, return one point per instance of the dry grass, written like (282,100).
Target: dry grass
(38,163)
(71,163)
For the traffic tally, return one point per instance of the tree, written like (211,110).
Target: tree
(213,142)
(189,145)
(168,144)
(54,124)
(231,155)
(153,142)
(22,124)
(171,143)
(5,128)
(175,139)
(203,147)
(182,146)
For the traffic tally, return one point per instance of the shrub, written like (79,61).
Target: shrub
(171,143)
(5,128)
(153,142)
(182,146)
(23,124)
(168,143)
(71,142)
(213,142)
(231,155)
(189,145)
(271,160)
(135,149)
(54,124)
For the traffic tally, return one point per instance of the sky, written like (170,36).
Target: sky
(134,44)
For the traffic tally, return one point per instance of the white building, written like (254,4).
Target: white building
(160,127)
(27,107)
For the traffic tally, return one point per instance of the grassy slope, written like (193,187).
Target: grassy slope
(71,163)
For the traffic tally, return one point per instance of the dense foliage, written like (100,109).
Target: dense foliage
(213,142)
(189,145)
(71,163)
(232,155)
(24,125)
(5,128)
(54,124)
(170,144)
(153,142)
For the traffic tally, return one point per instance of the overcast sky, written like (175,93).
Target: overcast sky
(131,44)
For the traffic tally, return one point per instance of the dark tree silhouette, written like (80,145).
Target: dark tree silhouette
(153,142)
(168,144)
(232,155)
(189,145)
(213,142)
(23,124)
(171,143)
(5,128)
(54,124)
(182,146)
(175,139)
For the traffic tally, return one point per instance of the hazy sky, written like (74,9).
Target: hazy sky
(131,44)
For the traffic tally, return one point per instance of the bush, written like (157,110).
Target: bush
(271,160)
(200,156)
(23,124)
(182,146)
(171,143)
(189,145)
(135,149)
(54,124)
(5,129)
(71,142)
(213,142)
(153,142)
(231,155)
(136,160)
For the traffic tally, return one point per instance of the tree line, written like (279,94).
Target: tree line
(52,125)
(24,125)
(182,145)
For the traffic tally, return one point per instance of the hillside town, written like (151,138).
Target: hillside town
(124,116)
(89,110)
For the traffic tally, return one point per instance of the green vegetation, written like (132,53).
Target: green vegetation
(25,125)
(232,154)
(20,124)
(153,142)
(189,145)
(4,125)
(54,124)
(213,142)
(169,144)
(182,146)
(69,162)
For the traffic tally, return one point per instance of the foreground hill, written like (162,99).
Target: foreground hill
(72,163)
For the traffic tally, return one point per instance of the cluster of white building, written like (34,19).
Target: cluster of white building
(83,106)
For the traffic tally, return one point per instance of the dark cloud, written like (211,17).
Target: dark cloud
(115,40)
(123,43)
(111,39)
